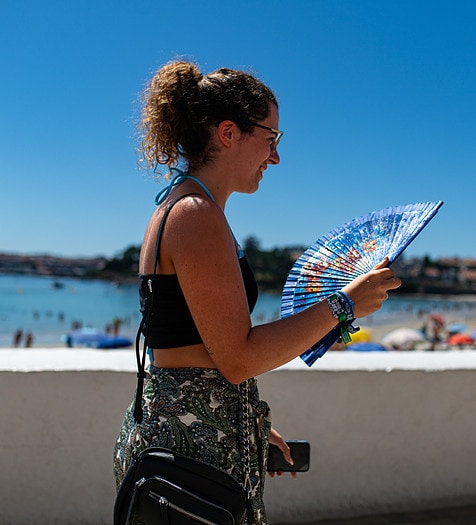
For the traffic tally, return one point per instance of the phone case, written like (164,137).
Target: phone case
(300,452)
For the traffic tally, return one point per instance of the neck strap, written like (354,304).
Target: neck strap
(178,179)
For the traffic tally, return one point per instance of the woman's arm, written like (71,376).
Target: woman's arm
(198,243)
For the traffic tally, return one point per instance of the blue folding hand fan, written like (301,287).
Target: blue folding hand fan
(351,250)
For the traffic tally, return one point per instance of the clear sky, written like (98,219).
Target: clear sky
(377,102)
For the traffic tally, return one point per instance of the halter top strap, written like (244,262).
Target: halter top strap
(178,179)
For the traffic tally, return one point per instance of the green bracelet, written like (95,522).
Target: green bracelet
(342,308)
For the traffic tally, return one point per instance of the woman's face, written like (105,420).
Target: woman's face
(258,150)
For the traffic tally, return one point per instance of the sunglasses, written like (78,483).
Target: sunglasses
(277,138)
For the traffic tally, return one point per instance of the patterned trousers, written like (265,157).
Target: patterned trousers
(197,412)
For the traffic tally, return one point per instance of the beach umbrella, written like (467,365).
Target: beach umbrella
(403,338)
(460,340)
(92,338)
(84,336)
(363,335)
(353,249)
(456,328)
(366,346)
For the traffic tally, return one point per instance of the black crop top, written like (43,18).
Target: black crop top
(171,324)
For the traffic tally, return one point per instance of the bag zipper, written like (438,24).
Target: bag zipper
(164,502)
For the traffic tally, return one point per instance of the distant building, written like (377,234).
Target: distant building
(49,265)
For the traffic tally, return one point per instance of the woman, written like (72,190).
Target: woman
(224,127)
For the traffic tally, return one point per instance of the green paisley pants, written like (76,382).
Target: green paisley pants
(197,412)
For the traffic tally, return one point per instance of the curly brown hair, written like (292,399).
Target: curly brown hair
(180,105)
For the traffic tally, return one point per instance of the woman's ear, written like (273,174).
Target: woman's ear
(227,133)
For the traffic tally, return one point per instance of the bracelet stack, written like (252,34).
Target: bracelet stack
(342,308)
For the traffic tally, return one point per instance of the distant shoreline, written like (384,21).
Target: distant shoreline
(421,277)
(121,279)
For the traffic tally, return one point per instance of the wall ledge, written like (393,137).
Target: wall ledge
(85,359)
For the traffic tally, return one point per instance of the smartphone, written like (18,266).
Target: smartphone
(300,452)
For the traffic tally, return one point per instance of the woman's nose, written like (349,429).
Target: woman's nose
(274,157)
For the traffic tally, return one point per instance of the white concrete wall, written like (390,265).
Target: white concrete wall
(388,431)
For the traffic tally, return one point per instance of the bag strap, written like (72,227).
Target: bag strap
(145,321)
(246,437)
(141,358)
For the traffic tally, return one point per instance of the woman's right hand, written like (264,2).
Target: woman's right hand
(369,291)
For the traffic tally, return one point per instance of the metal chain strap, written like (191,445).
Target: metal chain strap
(246,436)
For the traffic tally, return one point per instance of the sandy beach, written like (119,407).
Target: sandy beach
(377,331)
(453,319)
(375,328)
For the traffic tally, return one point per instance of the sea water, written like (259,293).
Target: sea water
(49,308)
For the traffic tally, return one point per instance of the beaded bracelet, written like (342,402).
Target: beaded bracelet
(342,308)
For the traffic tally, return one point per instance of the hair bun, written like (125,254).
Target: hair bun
(185,75)
(181,106)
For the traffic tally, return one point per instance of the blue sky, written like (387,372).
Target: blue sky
(377,101)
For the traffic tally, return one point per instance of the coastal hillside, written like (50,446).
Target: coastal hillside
(420,275)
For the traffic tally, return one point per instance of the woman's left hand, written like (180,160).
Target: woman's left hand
(276,439)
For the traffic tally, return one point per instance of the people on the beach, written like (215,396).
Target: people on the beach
(17,336)
(434,330)
(28,340)
(116,325)
(217,134)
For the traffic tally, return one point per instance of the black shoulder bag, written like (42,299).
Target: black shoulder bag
(162,486)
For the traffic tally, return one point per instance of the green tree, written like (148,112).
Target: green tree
(125,262)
